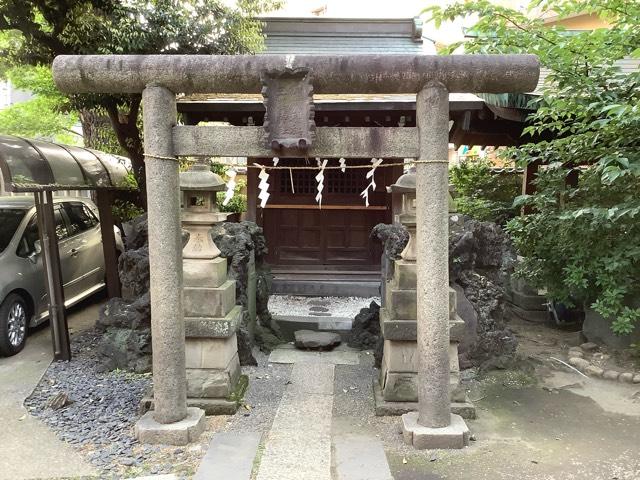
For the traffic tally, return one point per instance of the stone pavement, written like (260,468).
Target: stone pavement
(28,448)
(342,355)
(298,446)
(306,440)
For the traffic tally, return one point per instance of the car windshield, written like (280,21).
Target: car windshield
(10,218)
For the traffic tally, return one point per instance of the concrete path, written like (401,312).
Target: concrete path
(341,355)
(28,448)
(230,456)
(298,446)
(359,457)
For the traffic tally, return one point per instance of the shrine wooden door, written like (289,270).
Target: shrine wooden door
(335,236)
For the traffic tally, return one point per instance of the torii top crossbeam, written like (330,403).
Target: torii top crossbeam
(330,73)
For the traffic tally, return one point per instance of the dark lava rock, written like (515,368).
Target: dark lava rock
(394,238)
(125,323)
(120,313)
(125,349)
(136,232)
(237,243)
(310,340)
(133,269)
(365,331)
(481,258)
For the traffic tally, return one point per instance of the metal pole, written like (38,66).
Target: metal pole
(432,227)
(53,275)
(165,257)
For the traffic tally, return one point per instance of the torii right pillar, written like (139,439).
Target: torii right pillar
(433,425)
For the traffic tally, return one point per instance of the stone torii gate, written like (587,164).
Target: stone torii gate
(288,84)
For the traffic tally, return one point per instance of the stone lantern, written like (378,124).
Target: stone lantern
(406,186)
(211,315)
(200,211)
(397,391)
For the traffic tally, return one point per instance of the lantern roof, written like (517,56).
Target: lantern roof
(200,177)
(404,184)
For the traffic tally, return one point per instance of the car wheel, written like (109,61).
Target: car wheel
(14,321)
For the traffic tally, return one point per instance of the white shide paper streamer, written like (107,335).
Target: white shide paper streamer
(320,180)
(231,185)
(372,185)
(263,186)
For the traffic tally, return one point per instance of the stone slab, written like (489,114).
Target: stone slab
(210,352)
(213,382)
(403,387)
(403,356)
(336,357)
(401,304)
(168,476)
(455,436)
(404,275)
(204,273)
(289,324)
(359,457)
(298,446)
(29,448)
(229,457)
(311,340)
(208,327)
(149,431)
(406,329)
(528,302)
(209,301)
(385,408)
(536,316)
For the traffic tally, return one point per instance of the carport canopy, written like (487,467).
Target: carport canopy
(42,168)
(35,166)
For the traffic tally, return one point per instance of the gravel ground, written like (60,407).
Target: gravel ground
(99,420)
(347,307)
(354,405)
(267,383)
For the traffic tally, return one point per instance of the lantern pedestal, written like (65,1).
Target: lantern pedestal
(209,298)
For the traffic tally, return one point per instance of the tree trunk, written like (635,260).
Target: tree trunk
(116,133)
(127,132)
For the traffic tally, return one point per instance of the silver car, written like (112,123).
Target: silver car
(23,296)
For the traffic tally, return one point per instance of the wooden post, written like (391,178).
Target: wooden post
(104,200)
(252,192)
(53,275)
(528,187)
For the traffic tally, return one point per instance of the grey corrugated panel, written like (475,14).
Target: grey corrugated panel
(326,44)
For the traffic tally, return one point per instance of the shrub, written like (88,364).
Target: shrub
(484,195)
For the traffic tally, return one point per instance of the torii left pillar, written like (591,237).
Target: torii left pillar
(170,422)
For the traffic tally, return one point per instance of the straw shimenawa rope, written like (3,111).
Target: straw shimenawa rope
(308,167)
